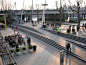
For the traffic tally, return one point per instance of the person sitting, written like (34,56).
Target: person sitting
(10,43)
(13,44)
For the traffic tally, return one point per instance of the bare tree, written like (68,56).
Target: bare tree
(56,5)
(6,7)
(59,10)
(37,8)
(30,7)
(76,8)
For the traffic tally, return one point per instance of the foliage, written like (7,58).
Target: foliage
(11,51)
(24,48)
(34,46)
(30,47)
(5,51)
(17,50)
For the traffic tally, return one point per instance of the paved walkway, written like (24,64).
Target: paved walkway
(62,41)
(45,54)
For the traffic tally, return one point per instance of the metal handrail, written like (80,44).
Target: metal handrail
(12,59)
(10,54)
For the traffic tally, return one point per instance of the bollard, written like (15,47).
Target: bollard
(62,57)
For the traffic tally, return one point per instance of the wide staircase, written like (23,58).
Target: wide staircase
(49,41)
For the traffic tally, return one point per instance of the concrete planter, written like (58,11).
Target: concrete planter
(18,53)
(30,50)
(12,54)
(24,51)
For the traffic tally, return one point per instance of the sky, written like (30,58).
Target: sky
(27,3)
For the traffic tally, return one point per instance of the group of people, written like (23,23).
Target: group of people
(15,40)
(72,28)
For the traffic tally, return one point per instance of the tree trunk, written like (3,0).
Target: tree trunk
(78,19)
(60,15)
(78,13)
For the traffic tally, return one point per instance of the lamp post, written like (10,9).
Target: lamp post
(43,17)
(32,10)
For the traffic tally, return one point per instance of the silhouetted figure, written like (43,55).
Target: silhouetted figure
(85,25)
(29,41)
(67,47)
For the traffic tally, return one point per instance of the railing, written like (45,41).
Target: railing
(6,56)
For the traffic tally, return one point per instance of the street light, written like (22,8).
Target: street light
(32,10)
(43,18)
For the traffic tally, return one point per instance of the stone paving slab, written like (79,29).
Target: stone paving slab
(61,41)
(44,52)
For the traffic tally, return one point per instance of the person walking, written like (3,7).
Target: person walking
(58,30)
(68,47)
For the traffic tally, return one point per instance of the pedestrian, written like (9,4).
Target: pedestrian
(12,27)
(35,22)
(69,28)
(4,28)
(77,27)
(28,41)
(85,25)
(14,31)
(58,30)
(68,47)
(17,28)
(17,33)
(24,41)
(73,27)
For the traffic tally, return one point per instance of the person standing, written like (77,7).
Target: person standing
(14,31)
(17,28)
(85,25)
(58,30)
(68,47)
(29,41)
(77,27)
(24,41)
